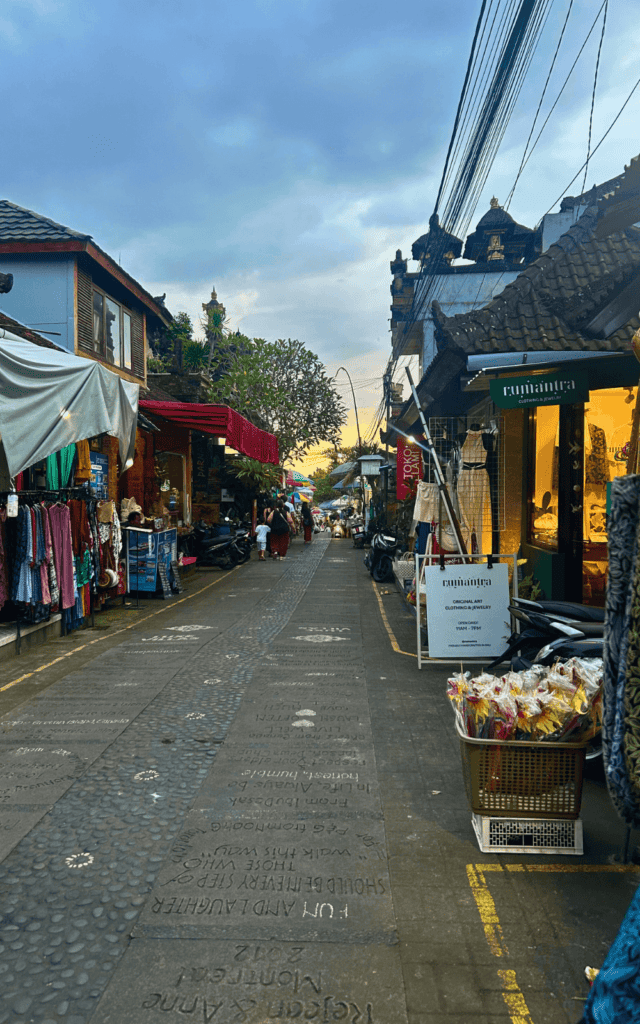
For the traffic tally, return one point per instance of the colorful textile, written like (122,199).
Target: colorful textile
(60,519)
(615,995)
(623,564)
(59,467)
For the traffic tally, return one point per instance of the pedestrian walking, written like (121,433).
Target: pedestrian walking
(262,535)
(307,522)
(280,522)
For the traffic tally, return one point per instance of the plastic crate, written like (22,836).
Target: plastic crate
(520,835)
(521,779)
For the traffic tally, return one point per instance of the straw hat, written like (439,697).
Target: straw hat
(107,579)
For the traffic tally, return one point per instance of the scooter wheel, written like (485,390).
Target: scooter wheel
(382,571)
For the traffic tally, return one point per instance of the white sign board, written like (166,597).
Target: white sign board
(467,610)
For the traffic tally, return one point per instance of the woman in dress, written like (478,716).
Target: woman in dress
(280,522)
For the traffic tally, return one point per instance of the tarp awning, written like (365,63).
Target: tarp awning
(222,421)
(49,399)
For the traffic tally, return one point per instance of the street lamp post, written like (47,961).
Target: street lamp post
(355,407)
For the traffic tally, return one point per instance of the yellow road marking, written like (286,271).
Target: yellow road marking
(487,910)
(513,997)
(394,642)
(132,625)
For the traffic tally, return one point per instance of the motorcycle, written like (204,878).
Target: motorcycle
(213,551)
(244,542)
(543,628)
(379,560)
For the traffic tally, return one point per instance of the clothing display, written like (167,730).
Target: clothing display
(596,468)
(59,467)
(51,555)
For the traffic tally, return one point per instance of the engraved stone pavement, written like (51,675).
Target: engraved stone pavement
(251,809)
(192,825)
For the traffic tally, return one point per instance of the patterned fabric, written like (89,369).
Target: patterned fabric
(615,995)
(623,561)
(596,467)
(631,740)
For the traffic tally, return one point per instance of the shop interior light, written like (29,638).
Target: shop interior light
(128,463)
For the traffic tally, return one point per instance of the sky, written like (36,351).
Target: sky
(283,150)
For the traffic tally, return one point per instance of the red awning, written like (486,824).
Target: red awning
(221,421)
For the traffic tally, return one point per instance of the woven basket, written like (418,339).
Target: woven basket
(522,779)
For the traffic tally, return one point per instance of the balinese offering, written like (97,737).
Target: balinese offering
(561,703)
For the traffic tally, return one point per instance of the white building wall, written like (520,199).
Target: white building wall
(460,293)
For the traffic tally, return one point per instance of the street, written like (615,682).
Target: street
(246,804)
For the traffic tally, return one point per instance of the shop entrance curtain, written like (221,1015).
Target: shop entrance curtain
(48,399)
(221,421)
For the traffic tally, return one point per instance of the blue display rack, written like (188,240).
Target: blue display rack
(146,552)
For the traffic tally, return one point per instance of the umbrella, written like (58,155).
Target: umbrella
(295,479)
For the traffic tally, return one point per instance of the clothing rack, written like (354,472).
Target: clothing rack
(64,493)
(78,491)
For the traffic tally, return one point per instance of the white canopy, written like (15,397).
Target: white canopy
(48,399)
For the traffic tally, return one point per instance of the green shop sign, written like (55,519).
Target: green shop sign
(564,387)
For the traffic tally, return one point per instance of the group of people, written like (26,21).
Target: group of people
(278,526)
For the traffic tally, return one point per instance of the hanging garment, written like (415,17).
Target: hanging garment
(473,485)
(22,588)
(596,467)
(59,467)
(83,467)
(80,532)
(51,586)
(623,564)
(60,519)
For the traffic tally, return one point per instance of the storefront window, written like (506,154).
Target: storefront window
(543,507)
(607,431)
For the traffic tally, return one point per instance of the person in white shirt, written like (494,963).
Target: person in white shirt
(261,536)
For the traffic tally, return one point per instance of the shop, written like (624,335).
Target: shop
(575,419)
(60,538)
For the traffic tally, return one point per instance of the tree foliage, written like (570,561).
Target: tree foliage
(176,348)
(282,387)
(254,475)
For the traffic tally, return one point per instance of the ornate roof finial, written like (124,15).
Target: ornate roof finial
(495,205)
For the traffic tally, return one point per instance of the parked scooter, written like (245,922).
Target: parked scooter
(244,542)
(213,551)
(541,629)
(379,560)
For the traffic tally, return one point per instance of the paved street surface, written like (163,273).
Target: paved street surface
(246,805)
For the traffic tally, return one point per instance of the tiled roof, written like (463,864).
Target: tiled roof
(554,298)
(20,225)
(15,327)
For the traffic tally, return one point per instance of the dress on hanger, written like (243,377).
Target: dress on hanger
(473,485)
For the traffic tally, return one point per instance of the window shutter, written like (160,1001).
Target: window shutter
(137,343)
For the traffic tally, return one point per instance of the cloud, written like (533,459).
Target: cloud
(281,149)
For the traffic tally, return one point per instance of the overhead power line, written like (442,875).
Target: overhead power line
(593,95)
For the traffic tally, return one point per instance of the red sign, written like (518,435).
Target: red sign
(409,468)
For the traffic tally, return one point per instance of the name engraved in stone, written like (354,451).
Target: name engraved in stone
(264,987)
(29,770)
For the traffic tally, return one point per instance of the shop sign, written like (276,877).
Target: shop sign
(409,468)
(467,610)
(564,387)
